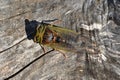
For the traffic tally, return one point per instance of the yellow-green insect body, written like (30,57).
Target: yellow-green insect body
(39,34)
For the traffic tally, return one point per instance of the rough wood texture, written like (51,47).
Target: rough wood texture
(98,57)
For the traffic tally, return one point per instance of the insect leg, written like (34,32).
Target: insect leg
(62,53)
(42,48)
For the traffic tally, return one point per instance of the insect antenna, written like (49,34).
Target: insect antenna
(14,44)
(47,21)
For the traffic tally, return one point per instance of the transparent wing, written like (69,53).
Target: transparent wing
(68,35)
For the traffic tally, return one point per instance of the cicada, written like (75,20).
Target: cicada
(50,35)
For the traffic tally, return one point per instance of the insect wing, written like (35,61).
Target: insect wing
(67,35)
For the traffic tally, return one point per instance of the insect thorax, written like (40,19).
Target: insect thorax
(40,30)
(45,35)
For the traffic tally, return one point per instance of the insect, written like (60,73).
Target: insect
(53,36)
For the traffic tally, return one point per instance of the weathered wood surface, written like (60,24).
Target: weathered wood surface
(98,57)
